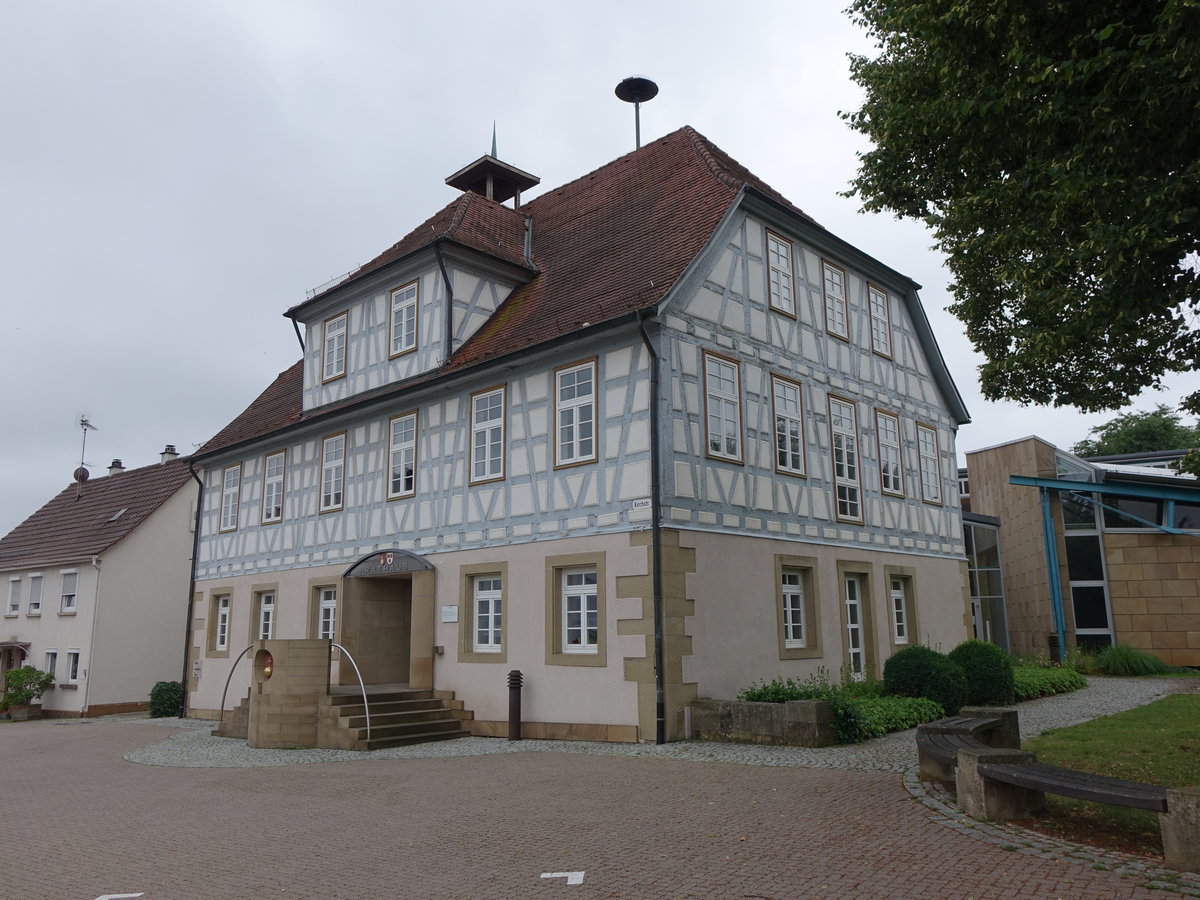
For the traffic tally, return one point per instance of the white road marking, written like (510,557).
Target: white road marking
(119,896)
(572,877)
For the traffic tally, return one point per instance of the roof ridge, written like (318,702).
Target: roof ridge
(704,149)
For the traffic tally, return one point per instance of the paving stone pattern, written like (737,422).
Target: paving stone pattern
(485,818)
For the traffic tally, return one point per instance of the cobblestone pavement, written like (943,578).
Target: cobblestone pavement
(207,820)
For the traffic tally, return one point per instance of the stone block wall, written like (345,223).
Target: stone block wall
(1154,589)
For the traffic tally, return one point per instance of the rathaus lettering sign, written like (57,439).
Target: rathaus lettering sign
(387,562)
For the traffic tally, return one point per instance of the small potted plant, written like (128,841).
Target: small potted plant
(23,687)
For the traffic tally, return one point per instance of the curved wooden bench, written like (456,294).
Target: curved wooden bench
(938,742)
(1080,785)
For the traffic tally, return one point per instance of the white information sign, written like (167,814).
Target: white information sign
(449,613)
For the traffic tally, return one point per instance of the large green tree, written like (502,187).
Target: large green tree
(1160,428)
(1053,147)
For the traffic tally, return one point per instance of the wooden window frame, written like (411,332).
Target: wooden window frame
(393,448)
(269,482)
(936,459)
(845,481)
(898,446)
(326,375)
(322,506)
(884,322)
(735,400)
(797,417)
(477,428)
(231,498)
(412,303)
(574,404)
(466,611)
(13,606)
(831,300)
(773,269)
(806,568)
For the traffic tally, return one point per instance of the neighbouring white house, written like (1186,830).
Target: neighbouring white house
(652,435)
(95,587)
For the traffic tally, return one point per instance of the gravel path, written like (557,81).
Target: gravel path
(195,747)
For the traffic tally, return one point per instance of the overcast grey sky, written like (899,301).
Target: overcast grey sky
(174,175)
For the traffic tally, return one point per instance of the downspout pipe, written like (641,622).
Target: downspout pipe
(660,703)
(191,611)
(437,251)
(1054,578)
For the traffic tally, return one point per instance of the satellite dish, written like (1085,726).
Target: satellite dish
(81,475)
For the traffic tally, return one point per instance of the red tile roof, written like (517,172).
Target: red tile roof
(85,520)
(605,245)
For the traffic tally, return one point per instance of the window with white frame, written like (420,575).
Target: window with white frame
(333,353)
(487,614)
(881,321)
(51,668)
(891,471)
(72,673)
(266,616)
(931,464)
(14,596)
(792,591)
(779,268)
(231,490)
(402,456)
(327,613)
(404,319)
(575,414)
(789,426)
(722,389)
(487,435)
(70,582)
(333,471)
(835,301)
(844,430)
(898,599)
(581,611)
(273,469)
(221,622)
(35,595)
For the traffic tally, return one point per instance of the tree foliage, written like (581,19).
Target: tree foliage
(1139,432)
(1052,147)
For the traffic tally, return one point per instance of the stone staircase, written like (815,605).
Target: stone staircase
(398,716)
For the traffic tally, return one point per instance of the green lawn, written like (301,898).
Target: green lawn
(1155,744)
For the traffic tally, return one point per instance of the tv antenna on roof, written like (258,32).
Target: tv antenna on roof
(81,474)
(637,90)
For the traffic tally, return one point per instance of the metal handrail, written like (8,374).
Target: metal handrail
(221,720)
(362,687)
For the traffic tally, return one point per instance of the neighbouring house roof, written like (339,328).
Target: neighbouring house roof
(86,519)
(603,247)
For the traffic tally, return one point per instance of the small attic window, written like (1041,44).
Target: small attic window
(120,512)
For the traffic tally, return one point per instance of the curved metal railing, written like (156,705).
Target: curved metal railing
(221,721)
(362,687)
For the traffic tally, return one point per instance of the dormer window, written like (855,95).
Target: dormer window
(333,357)
(404,319)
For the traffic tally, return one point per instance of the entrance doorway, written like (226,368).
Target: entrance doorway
(387,620)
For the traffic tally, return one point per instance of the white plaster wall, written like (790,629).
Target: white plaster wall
(584,694)
(142,605)
(735,638)
(54,631)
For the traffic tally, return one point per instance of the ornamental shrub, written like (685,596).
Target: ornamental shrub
(1032,681)
(25,685)
(165,698)
(989,673)
(918,671)
(1122,660)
